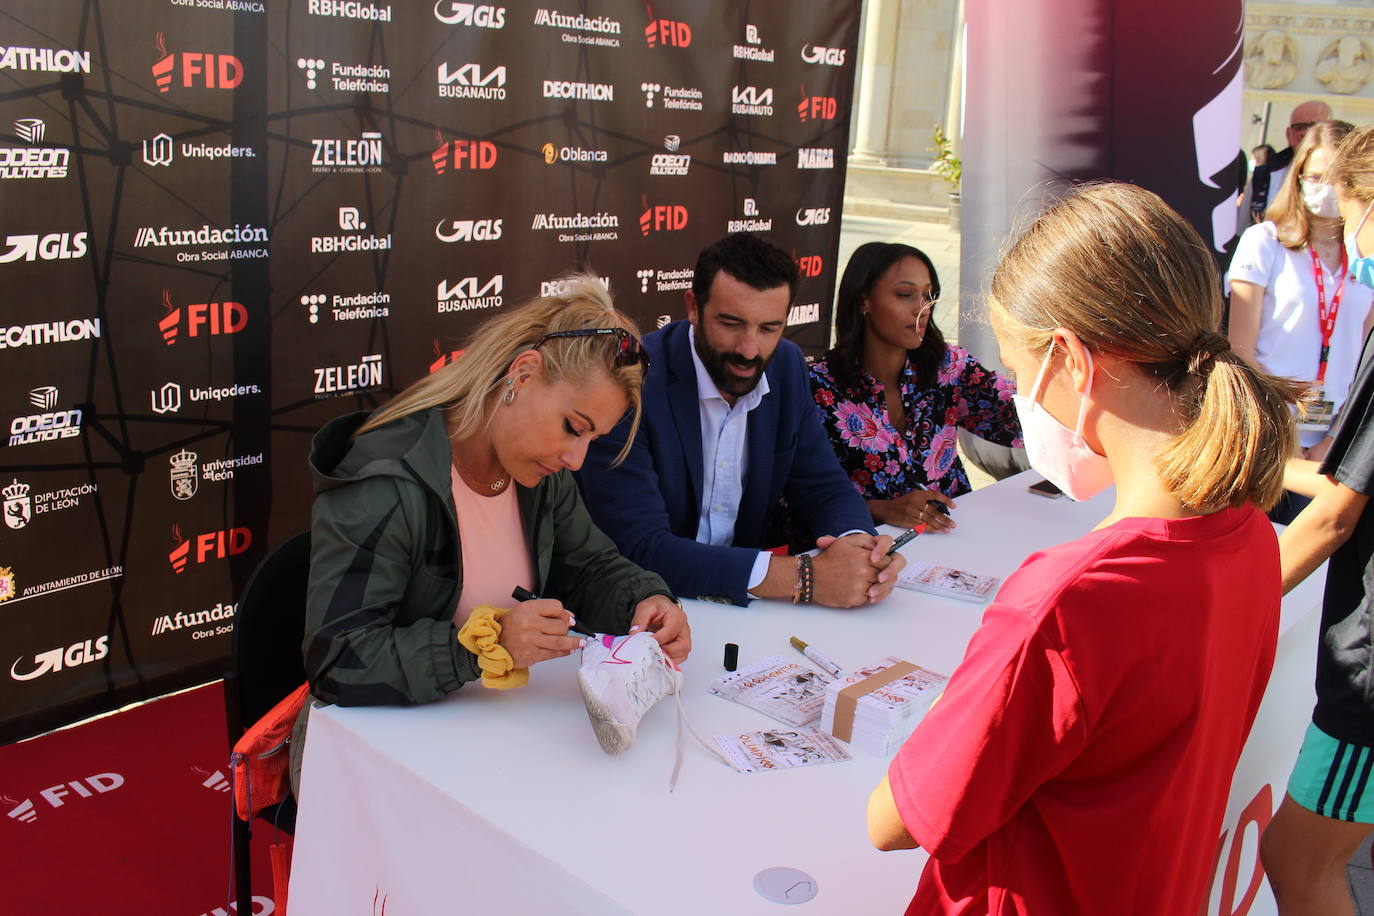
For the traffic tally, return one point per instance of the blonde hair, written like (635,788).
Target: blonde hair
(467,386)
(1115,265)
(1288,213)
(1352,168)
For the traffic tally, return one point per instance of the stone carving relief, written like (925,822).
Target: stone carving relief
(1344,65)
(1271,60)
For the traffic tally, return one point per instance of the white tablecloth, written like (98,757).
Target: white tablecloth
(503,802)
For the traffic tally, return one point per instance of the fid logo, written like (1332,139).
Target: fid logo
(211,545)
(25,813)
(462,154)
(669,33)
(201,318)
(213,71)
(662,217)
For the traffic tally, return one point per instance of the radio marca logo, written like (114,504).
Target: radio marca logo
(211,71)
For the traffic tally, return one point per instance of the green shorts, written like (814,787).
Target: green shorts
(1331,778)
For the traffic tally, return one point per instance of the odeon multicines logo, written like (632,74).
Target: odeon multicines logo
(351,221)
(21,506)
(215,621)
(753,220)
(192,69)
(668,33)
(49,425)
(470,294)
(45,60)
(468,230)
(373,78)
(349,9)
(202,319)
(460,155)
(168,398)
(348,308)
(54,246)
(581,29)
(470,81)
(661,217)
(364,375)
(367,153)
(575,154)
(33,335)
(579,227)
(161,151)
(674,98)
(671,162)
(476,15)
(81,653)
(751,101)
(34,160)
(206,547)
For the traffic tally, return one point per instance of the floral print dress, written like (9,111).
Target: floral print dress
(885,463)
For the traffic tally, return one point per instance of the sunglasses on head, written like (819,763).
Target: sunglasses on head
(628,352)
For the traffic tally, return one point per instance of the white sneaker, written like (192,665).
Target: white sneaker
(621,678)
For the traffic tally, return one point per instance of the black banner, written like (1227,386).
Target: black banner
(227,221)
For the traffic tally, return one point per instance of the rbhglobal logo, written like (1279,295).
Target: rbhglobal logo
(215,621)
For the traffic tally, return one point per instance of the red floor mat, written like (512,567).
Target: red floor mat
(126,816)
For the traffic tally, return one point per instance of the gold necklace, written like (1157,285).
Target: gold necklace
(496,487)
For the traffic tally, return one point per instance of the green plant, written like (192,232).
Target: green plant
(947,165)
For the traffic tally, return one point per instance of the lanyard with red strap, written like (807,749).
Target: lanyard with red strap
(1326,316)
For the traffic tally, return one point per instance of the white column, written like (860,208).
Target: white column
(874,99)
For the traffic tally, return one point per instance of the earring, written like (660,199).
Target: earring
(509,396)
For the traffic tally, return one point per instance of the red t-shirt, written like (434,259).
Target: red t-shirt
(1080,760)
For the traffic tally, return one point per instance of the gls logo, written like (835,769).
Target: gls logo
(468,230)
(212,545)
(24,812)
(57,246)
(450,12)
(212,71)
(815,54)
(669,33)
(201,318)
(55,659)
(814,216)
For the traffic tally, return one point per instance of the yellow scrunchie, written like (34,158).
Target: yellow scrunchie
(479,636)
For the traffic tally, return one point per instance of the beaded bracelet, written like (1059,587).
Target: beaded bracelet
(806,580)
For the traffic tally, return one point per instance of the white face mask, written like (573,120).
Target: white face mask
(1056,451)
(1320,199)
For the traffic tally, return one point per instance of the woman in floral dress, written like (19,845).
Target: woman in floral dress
(892,394)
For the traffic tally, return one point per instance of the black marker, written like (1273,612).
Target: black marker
(523,594)
(906,537)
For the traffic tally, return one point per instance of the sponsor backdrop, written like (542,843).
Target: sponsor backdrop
(227,221)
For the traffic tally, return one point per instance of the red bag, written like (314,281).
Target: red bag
(260,764)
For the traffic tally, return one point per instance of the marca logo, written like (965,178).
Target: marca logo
(815,54)
(553,289)
(483,17)
(810,313)
(211,545)
(348,308)
(470,293)
(171,623)
(817,107)
(366,373)
(808,158)
(46,60)
(810,265)
(365,154)
(345,77)
(80,653)
(25,813)
(184,477)
(462,154)
(33,161)
(668,33)
(752,101)
(468,230)
(349,9)
(56,246)
(584,92)
(202,318)
(752,222)
(47,426)
(197,68)
(554,154)
(662,217)
(469,82)
(28,335)
(20,507)
(750,50)
(814,216)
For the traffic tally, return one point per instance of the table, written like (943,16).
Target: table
(503,802)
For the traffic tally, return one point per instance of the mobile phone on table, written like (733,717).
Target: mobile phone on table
(1046,489)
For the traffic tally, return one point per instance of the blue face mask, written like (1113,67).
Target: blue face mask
(1361,268)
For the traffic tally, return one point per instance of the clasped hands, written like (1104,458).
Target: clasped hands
(855,569)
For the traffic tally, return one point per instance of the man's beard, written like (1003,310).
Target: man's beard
(716,362)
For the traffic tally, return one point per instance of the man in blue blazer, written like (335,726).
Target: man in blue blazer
(728,426)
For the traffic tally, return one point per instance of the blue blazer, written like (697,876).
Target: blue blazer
(651,503)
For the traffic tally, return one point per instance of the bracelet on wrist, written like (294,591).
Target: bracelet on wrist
(806,581)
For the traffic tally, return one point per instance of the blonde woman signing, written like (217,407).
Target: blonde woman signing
(460,489)
(1292,312)
(1080,760)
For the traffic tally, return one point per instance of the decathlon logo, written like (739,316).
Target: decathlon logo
(25,812)
(185,476)
(166,399)
(196,68)
(668,33)
(158,151)
(47,426)
(469,82)
(468,230)
(45,60)
(57,246)
(813,216)
(808,158)
(71,656)
(580,92)
(751,101)
(361,155)
(469,294)
(450,12)
(211,545)
(815,54)
(458,155)
(753,221)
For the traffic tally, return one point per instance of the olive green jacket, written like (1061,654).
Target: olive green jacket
(386,569)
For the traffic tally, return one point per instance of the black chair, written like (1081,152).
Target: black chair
(269,626)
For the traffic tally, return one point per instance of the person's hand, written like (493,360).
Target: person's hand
(536,631)
(662,617)
(854,570)
(1318,452)
(912,509)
